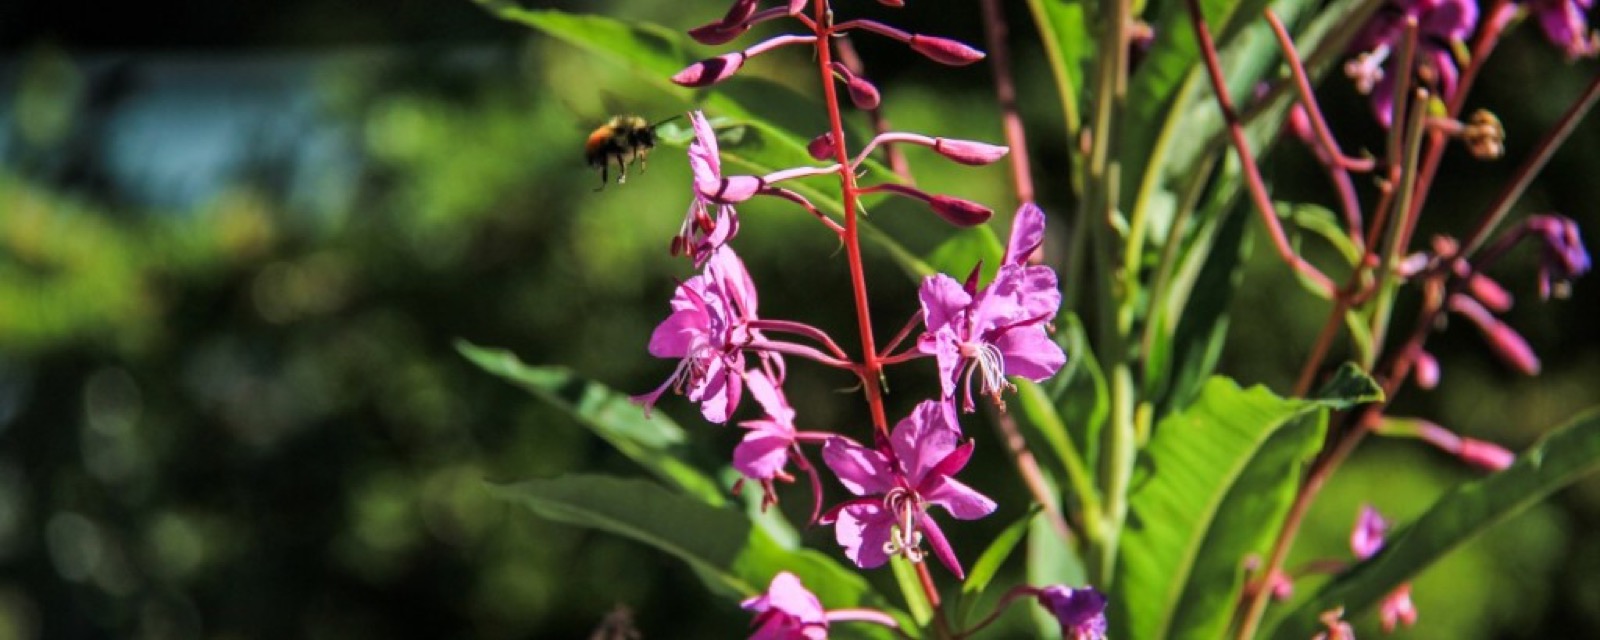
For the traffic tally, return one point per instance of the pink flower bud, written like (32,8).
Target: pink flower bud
(1506,343)
(1427,370)
(892,3)
(1366,539)
(1485,455)
(740,12)
(797,6)
(822,147)
(1489,292)
(962,213)
(944,50)
(968,152)
(710,71)
(717,33)
(1280,585)
(729,190)
(862,93)
(1396,608)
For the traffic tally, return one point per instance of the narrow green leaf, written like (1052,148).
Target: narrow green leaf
(656,443)
(1322,222)
(984,569)
(905,575)
(708,538)
(1195,459)
(1562,457)
(1201,295)
(1064,31)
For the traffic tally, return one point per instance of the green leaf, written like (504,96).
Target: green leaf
(1064,31)
(1200,295)
(1051,560)
(968,248)
(905,575)
(1318,220)
(1196,458)
(984,569)
(1559,459)
(708,538)
(656,443)
(733,558)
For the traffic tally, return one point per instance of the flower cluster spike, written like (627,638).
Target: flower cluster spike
(1441,25)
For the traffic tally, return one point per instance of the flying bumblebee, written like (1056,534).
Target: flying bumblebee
(623,140)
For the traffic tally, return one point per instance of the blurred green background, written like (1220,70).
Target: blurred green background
(237,241)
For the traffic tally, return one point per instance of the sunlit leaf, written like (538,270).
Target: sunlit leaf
(1196,459)
(655,442)
(1559,459)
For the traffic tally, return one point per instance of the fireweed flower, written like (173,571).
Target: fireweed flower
(999,330)
(788,611)
(1439,24)
(1563,22)
(701,234)
(707,332)
(1366,539)
(1081,612)
(1562,256)
(763,454)
(897,482)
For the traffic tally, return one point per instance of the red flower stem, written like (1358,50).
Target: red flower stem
(905,332)
(880,124)
(802,351)
(1028,468)
(1337,164)
(871,366)
(999,608)
(800,329)
(1247,161)
(994,23)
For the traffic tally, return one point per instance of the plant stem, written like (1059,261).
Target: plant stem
(1005,90)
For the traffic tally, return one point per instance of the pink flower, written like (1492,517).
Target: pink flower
(897,482)
(787,611)
(1081,612)
(764,452)
(707,331)
(1562,256)
(700,234)
(1439,23)
(1564,24)
(1365,541)
(1000,330)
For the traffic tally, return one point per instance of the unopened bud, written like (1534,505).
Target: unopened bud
(710,71)
(892,3)
(822,147)
(1484,136)
(1489,292)
(969,152)
(1504,341)
(959,212)
(944,50)
(862,93)
(730,190)
(717,33)
(740,11)
(1485,455)
(797,6)
(1280,585)
(1427,370)
(1562,256)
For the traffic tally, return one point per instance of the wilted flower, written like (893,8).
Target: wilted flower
(897,481)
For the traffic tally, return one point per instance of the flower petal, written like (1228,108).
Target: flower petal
(941,546)
(1027,233)
(862,529)
(763,452)
(861,470)
(963,502)
(1030,353)
(924,438)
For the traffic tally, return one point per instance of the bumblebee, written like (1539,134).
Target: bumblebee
(623,140)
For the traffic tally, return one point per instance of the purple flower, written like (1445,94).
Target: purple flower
(707,332)
(1081,612)
(787,611)
(1561,255)
(997,331)
(700,235)
(1367,536)
(897,482)
(764,452)
(1564,24)
(1439,23)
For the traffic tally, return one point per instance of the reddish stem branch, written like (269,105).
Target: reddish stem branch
(1247,161)
(1005,90)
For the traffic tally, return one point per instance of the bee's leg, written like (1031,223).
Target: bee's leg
(644,160)
(622,166)
(603,167)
